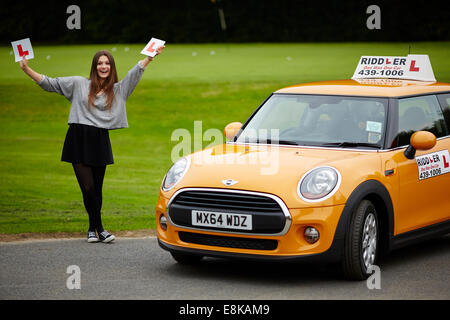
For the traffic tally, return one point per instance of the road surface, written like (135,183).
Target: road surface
(137,268)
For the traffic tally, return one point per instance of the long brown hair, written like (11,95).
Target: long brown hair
(107,85)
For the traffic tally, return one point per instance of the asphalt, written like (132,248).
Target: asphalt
(137,268)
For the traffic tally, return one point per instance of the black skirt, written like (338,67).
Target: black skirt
(88,145)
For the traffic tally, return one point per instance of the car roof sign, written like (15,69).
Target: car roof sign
(411,67)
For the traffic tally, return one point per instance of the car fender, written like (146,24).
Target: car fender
(376,192)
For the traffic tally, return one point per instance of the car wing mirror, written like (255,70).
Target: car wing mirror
(232,129)
(420,140)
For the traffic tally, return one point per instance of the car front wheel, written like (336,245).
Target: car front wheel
(360,251)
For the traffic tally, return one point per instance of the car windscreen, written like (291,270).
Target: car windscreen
(318,120)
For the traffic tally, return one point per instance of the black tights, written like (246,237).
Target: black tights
(90,180)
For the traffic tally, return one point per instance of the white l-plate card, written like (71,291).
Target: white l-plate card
(152,45)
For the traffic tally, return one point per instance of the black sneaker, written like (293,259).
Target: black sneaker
(105,236)
(92,237)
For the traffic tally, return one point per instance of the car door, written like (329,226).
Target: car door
(424,182)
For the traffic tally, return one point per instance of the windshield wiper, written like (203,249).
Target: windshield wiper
(349,144)
(270,141)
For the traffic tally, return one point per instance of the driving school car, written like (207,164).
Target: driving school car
(336,171)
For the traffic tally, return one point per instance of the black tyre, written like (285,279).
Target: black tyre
(361,242)
(185,258)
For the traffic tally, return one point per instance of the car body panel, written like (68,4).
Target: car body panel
(421,202)
(210,166)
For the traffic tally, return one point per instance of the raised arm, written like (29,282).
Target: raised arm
(147,59)
(30,72)
(130,81)
(61,85)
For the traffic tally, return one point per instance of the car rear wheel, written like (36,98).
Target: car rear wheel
(360,251)
(185,258)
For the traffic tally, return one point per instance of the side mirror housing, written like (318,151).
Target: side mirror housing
(232,129)
(420,140)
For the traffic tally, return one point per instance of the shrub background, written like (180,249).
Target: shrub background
(197,21)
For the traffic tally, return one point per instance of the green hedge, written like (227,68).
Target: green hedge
(197,21)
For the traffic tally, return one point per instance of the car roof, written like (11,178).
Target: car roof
(368,87)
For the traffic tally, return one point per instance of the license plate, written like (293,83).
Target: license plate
(221,220)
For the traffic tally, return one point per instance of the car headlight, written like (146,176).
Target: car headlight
(175,173)
(319,184)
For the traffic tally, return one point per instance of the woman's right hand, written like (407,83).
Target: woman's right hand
(30,72)
(23,63)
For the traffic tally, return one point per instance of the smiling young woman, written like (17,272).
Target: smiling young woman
(98,104)
(103,76)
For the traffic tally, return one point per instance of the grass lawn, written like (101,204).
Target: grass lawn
(214,83)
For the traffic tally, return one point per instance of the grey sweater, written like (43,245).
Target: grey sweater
(76,90)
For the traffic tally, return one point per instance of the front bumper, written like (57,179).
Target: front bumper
(288,245)
(331,255)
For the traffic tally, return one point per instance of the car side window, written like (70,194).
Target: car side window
(444,100)
(419,114)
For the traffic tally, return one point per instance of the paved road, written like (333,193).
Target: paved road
(139,269)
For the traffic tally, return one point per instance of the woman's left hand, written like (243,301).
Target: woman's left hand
(159,50)
(147,59)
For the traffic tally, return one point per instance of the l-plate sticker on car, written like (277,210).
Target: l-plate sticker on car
(433,164)
(221,220)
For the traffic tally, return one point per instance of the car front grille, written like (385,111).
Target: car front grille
(228,242)
(268,216)
(232,201)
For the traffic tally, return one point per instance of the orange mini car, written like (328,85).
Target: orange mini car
(340,171)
